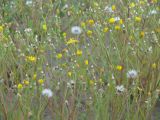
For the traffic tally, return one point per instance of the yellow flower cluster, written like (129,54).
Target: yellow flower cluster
(31,58)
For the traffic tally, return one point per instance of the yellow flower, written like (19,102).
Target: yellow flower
(121,21)
(59,56)
(44,26)
(142,2)
(89,32)
(1,28)
(31,58)
(64,35)
(20,86)
(86,62)
(132,5)
(138,19)
(69,74)
(113,7)
(34,76)
(40,81)
(154,65)
(26,82)
(154,1)
(142,34)
(105,29)
(72,41)
(91,22)
(117,27)
(79,52)
(119,67)
(83,24)
(91,82)
(112,20)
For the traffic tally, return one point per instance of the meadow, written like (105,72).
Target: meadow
(79,59)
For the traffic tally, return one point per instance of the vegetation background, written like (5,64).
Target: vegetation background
(79,59)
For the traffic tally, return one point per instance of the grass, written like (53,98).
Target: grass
(106,68)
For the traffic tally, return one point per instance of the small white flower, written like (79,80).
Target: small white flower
(117,18)
(28,30)
(120,88)
(108,9)
(153,12)
(65,6)
(132,74)
(76,30)
(47,92)
(28,2)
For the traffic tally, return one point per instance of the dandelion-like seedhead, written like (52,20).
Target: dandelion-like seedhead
(47,92)
(132,74)
(76,30)
(120,88)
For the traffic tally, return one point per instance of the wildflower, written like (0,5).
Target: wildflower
(132,5)
(44,26)
(113,7)
(47,92)
(76,30)
(86,62)
(91,82)
(83,24)
(89,32)
(64,34)
(138,19)
(132,74)
(26,82)
(154,65)
(29,2)
(121,21)
(91,22)
(71,41)
(153,12)
(28,30)
(20,86)
(40,81)
(142,2)
(1,29)
(142,34)
(31,58)
(34,76)
(117,27)
(108,9)
(112,20)
(117,18)
(119,67)
(120,88)
(154,1)
(79,52)
(69,74)
(59,56)
(105,29)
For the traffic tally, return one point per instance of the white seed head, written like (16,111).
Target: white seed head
(132,74)
(76,30)
(47,92)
